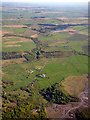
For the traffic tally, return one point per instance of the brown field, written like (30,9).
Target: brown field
(21,39)
(7,38)
(13,61)
(75,23)
(85,33)
(74,84)
(61,42)
(65,18)
(57,111)
(25,40)
(30,32)
(16,26)
(58,43)
(14,42)
(6,32)
(34,36)
(16,19)
(12,46)
(51,12)
(10,19)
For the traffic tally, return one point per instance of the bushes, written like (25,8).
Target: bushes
(57,95)
(11,55)
(29,57)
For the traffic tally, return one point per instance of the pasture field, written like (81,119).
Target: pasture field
(19,67)
(78,37)
(77,46)
(44,48)
(53,37)
(17,44)
(74,84)
(19,30)
(59,69)
(6,29)
(56,70)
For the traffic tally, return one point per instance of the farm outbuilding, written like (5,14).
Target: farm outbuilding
(43,75)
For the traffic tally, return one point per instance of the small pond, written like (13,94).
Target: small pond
(59,29)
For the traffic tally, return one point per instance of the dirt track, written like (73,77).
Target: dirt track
(83,96)
(63,111)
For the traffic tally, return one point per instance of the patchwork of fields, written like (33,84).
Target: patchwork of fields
(41,47)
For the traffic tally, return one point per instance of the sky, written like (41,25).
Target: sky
(45,0)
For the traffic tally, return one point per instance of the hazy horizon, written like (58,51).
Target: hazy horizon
(45,1)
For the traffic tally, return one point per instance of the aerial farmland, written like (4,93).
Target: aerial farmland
(44,61)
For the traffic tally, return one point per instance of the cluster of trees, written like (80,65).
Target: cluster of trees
(29,57)
(79,53)
(57,95)
(24,109)
(35,54)
(15,107)
(53,54)
(38,53)
(54,27)
(6,84)
(82,114)
(11,55)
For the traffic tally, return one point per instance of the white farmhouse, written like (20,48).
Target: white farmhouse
(43,75)
(31,71)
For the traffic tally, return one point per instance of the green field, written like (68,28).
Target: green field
(55,69)
(19,30)
(24,45)
(40,59)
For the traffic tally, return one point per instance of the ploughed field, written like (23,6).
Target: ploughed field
(42,47)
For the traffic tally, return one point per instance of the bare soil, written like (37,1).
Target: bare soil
(15,26)
(34,36)
(74,84)
(6,32)
(12,46)
(21,41)
(80,18)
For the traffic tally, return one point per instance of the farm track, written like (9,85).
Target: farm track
(43,66)
(81,96)
(40,72)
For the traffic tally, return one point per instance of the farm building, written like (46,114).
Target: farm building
(43,75)
(31,71)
